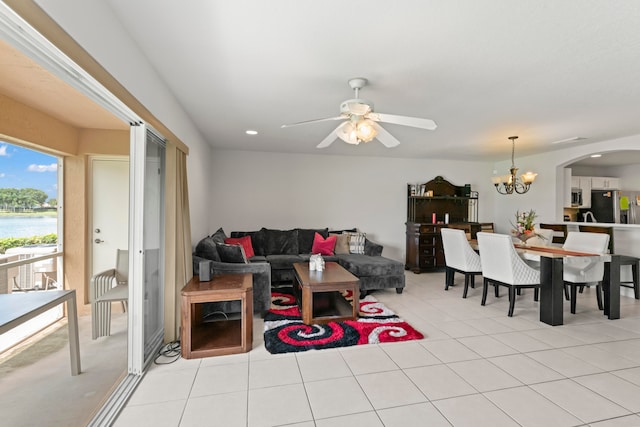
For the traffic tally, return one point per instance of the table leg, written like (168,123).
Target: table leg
(551,291)
(74,342)
(611,288)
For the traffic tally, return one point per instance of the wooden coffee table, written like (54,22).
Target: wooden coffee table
(318,293)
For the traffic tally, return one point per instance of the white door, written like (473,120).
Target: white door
(110,210)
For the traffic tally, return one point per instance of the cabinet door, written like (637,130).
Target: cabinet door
(575,181)
(598,183)
(585,186)
(613,183)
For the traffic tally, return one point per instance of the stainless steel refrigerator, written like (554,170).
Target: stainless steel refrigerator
(631,215)
(605,207)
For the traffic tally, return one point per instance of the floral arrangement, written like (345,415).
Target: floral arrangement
(523,228)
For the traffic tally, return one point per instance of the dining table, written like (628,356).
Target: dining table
(552,283)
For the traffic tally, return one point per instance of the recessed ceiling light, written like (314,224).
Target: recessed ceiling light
(572,139)
(596,156)
(251,132)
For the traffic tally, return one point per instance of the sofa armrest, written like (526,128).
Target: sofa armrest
(261,278)
(371,248)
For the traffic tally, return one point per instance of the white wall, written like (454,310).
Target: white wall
(546,194)
(94,26)
(251,190)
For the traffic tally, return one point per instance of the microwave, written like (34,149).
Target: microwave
(576,196)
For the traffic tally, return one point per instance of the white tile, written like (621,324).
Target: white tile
(274,406)
(605,360)
(458,329)
(409,354)
(489,326)
(439,382)
(553,337)
(162,414)
(229,410)
(487,346)
(163,386)
(221,379)
(564,363)
(531,409)
(474,410)
(225,360)
(273,372)
(366,419)
(613,388)
(367,359)
(632,375)
(521,342)
(525,369)
(322,365)
(388,389)
(421,414)
(628,421)
(450,350)
(483,375)
(579,401)
(331,398)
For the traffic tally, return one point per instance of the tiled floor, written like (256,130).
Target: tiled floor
(475,367)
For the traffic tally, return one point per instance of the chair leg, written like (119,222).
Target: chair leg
(496,290)
(536,294)
(599,296)
(636,280)
(473,280)
(466,285)
(485,288)
(581,288)
(566,292)
(574,296)
(512,299)
(448,278)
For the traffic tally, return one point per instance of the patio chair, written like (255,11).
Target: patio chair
(107,287)
(502,266)
(459,257)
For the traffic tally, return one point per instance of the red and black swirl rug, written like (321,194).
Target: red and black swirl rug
(284,331)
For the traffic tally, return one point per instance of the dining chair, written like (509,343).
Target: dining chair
(584,271)
(502,266)
(106,287)
(459,257)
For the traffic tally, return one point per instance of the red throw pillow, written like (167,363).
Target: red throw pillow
(245,242)
(323,246)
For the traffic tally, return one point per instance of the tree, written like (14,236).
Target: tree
(53,202)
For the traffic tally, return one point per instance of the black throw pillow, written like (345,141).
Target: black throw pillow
(206,248)
(232,253)
(219,236)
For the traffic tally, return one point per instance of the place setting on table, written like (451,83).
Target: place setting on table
(533,245)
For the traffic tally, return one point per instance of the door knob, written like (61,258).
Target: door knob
(99,241)
(97,230)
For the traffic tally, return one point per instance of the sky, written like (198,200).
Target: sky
(24,168)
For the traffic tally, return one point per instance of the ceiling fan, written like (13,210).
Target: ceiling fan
(361,122)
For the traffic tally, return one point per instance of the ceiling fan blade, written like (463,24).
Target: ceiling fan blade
(313,121)
(404,120)
(385,137)
(330,138)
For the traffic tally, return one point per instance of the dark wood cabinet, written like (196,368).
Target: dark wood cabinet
(431,207)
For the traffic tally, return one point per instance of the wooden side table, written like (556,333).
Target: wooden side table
(230,335)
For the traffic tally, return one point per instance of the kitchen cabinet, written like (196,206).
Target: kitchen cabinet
(605,183)
(584,184)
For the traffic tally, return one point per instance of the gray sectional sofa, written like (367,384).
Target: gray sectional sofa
(277,250)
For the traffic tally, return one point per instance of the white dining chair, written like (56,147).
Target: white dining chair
(584,271)
(459,258)
(107,287)
(502,266)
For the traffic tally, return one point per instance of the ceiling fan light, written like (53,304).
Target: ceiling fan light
(348,132)
(366,130)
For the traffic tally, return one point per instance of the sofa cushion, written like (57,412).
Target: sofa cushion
(280,242)
(206,248)
(219,236)
(346,230)
(365,265)
(342,243)
(306,236)
(245,242)
(356,243)
(323,246)
(257,240)
(258,258)
(283,262)
(232,253)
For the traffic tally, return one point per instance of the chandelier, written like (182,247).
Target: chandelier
(507,184)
